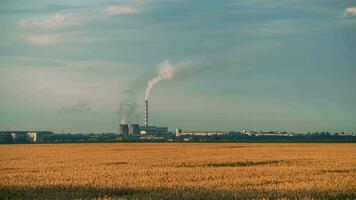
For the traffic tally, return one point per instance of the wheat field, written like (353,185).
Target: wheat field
(178,171)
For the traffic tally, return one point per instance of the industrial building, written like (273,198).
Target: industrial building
(179,132)
(24,136)
(129,129)
(18,136)
(124,129)
(143,132)
(134,129)
(5,138)
(39,136)
(153,130)
(146,132)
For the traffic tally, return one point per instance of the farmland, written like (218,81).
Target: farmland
(177,171)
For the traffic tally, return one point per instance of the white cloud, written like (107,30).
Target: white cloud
(39,30)
(117,10)
(65,20)
(41,39)
(58,20)
(48,39)
(350,11)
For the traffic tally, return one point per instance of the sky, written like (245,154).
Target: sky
(80,66)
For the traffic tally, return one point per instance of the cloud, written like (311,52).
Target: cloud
(62,20)
(350,11)
(42,39)
(58,20)
(117,10)
(273,28)
(40,31)
(79,107)
(55,38)
(43,9)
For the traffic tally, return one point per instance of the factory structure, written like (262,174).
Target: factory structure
(133,132)
(32,136)
(145,132)
(148,133)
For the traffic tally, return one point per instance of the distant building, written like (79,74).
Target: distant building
(134,129)
(124,129)
(153,130)
(5,138)
(69,137)
(202,133)
(346,134)
(178,132)
(24,136)
(18,136)
(155,133)
(249,133)
(39,136)
(275,134)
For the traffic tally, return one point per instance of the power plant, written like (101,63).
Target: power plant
(146,131)
(164,73)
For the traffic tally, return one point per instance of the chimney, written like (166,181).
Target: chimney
(146,113)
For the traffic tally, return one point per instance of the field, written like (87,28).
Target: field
(177,171)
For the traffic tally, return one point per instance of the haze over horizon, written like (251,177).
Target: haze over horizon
(282,65)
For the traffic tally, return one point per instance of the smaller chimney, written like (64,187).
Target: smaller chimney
(146,113)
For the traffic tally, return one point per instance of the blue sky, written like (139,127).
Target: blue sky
(252,64)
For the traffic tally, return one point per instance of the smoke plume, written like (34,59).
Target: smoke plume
(187,69)
(165,72)
(79,107)
(128,109)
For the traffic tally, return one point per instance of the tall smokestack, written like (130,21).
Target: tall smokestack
(146,113)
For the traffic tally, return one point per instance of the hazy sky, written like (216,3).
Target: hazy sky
(240,64)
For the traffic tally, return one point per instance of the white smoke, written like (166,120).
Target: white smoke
(128,106)
(165,72)
(127,110)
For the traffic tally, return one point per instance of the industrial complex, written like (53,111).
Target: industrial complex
(133,132)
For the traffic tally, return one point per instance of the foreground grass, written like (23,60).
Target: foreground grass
(178,171)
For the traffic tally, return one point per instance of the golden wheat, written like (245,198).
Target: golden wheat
(177,171)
